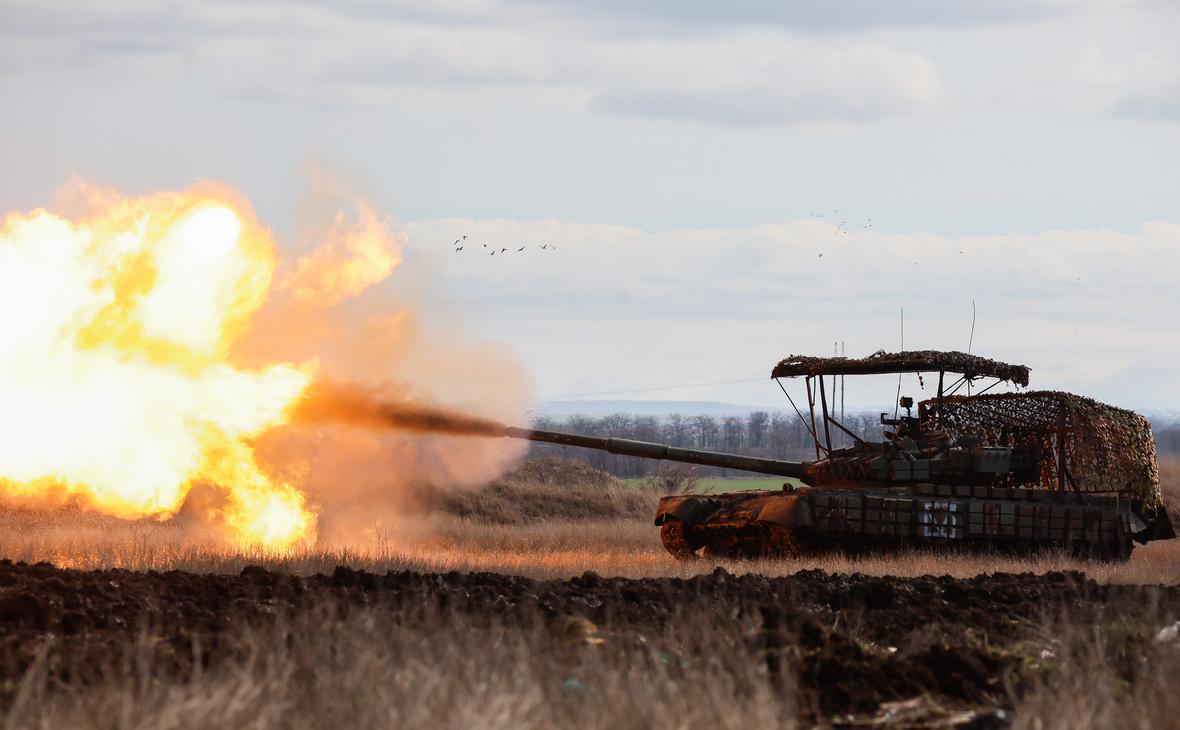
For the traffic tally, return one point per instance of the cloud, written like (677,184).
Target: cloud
(784,262)
(831,15)
(1079,305)
(1160,100)
(764,79)
(1105,64)
(360,53)
(1142,86)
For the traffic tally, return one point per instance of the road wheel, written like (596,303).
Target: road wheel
(672,534)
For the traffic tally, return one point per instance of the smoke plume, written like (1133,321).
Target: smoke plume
(326,402)
(403,379)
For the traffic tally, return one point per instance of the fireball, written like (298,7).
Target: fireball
(116,385)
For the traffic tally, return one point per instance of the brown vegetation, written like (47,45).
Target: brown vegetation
(762,644)
(321,669)
(1170,486)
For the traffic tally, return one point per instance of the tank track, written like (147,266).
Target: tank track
(737,539)
(930,517)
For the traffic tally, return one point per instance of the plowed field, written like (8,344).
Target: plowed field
(843,644)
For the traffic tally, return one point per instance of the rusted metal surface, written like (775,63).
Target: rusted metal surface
(674,540)
(784,508)
(914,361)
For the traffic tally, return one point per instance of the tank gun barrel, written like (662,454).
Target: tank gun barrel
(647,450)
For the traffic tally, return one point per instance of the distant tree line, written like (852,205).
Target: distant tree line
(760,433)
(1167,437)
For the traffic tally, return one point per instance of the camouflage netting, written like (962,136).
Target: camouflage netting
(1108,450)
(915,361)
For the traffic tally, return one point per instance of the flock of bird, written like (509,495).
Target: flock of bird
(461,243)
(841,229)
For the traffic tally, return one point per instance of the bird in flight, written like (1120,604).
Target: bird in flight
(520,249)
(459,249)
(503,250)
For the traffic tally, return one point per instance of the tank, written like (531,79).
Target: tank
(1008,471)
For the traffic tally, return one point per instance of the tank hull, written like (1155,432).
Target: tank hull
(797,522)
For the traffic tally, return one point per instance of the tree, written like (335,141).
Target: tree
(734,430)
(616,424)
(676,430)
(756,424)
(781,436)
(706,431)
(646,428)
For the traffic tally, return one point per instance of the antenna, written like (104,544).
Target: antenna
(898,398)
(842,387)
(971,340)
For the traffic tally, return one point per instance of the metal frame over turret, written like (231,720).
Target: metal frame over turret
(970,368)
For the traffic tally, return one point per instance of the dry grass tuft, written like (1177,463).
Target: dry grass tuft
(1117,674)
(369,669)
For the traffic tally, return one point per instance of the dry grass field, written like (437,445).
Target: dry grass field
(1067,654)
(536,525)
(557,549)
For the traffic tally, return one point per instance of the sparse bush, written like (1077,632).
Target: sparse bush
(673,478)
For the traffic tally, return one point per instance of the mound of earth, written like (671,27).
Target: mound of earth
(850,642)
(552,471)
(548,489)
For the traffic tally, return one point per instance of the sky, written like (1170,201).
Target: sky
(725,183)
